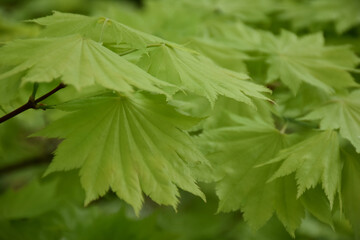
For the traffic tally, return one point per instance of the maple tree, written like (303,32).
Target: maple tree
(247,109)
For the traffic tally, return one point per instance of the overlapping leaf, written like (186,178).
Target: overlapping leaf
(292,59)
(97,28)
(314,160)
(344,14)
(77,61)
(295,60)
(9,88)
(235,151)
(221,53)
(29,201)
(197,74)
(316,202)
(350,189)
(343,112)
(129,144)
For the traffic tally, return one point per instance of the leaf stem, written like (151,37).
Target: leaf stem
(35,88)
(283,129)
(2,109)
(128,52)
(32,103)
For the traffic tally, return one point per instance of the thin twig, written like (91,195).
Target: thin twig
(32,103)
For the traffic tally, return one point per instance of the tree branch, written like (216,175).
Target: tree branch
(32,103)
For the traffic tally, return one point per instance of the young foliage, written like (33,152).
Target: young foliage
(295,60)
(235,152)
(77,61)
(145,117)
(342,112)
(197,74)
(131,144)
(101,29)
(314,160)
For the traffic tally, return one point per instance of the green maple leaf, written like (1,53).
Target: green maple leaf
(295,60)
(350,192)
(342,112)
(10,88)
(221,53)
(29,201)
(129,144)
(77,61)
(316,202)
(314,160)
(97,28)
(235,151)
(197,74)
(344,14)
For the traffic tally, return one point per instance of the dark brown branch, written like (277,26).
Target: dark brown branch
(32,103)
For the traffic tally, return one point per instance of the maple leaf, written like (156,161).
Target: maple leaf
(197,74)
(342,112)
(39,199)
(235,152)
(129,144)
(350,193)
(316,202)
(10,86)
(314,159)
(344,14)
(77,61)
(100,29)
(223,54)
(294,60)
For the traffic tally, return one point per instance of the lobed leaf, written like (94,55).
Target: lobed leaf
(235,152)
(195,73)
(314,160)
(77,61)
(343,112)
(100,29)
(295,60)
(129,144)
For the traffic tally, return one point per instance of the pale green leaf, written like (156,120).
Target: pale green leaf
(314,160)
(295,60)
(228,112)
(197,74)
(235,152)
(100,29)
(342,112)
(288,208)
(221,53)
(77,61)
(129,144)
